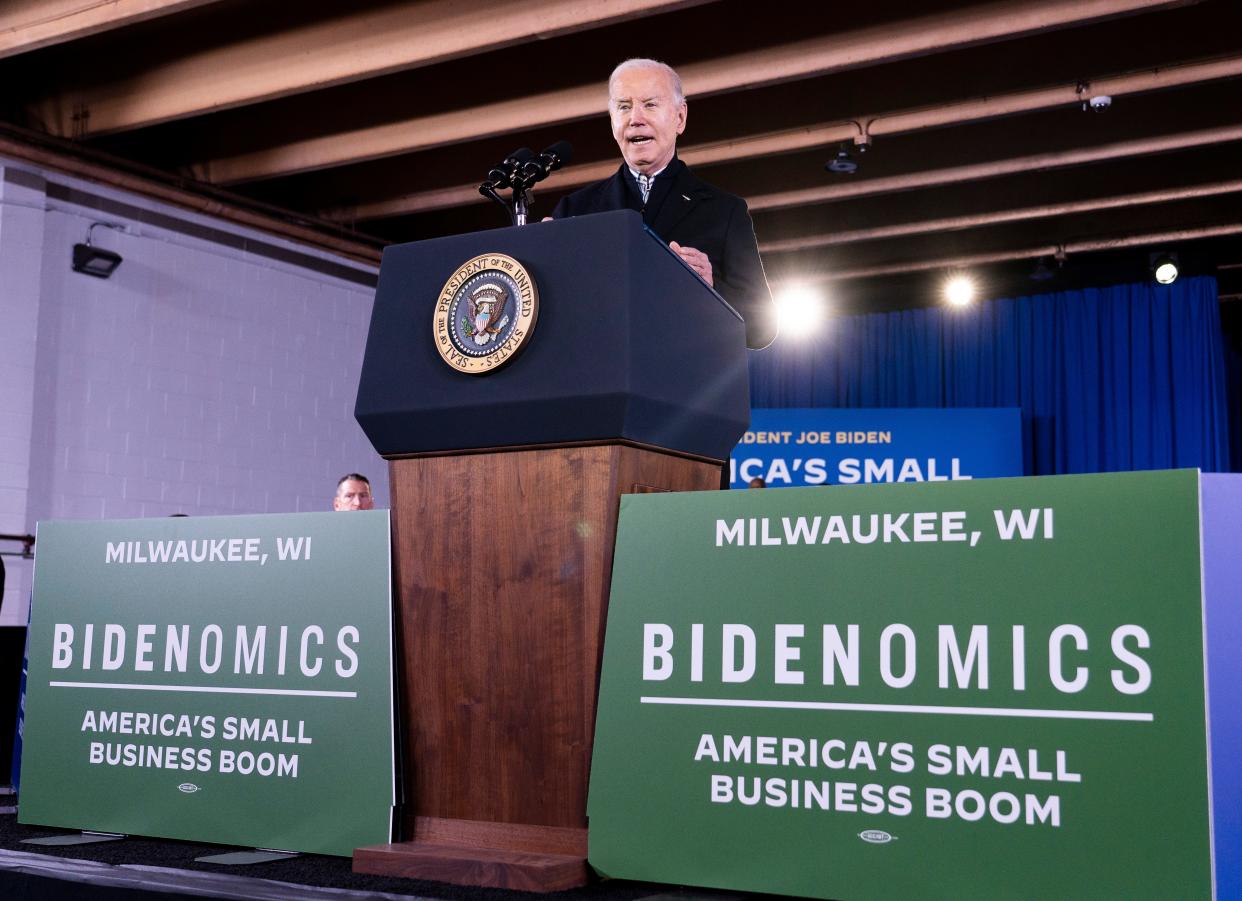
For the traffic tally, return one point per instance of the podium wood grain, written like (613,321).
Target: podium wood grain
(503,566)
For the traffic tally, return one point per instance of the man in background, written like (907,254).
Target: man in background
(708,228)
(353,492)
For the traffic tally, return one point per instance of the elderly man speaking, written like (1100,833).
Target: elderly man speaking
(708,228)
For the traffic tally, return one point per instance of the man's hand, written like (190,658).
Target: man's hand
(695,259)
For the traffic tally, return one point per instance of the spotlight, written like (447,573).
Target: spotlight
(842,163)
(1164,267)
(1042,271)
(799,310)
(959,290)
(96,261)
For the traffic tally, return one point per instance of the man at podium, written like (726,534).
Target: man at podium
(708,228)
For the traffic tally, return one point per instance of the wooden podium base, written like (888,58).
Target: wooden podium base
(494,855)
(502,570)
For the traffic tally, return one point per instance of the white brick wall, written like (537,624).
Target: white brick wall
(21,252)
(200,378)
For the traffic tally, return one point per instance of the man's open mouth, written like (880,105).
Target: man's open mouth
(640,139)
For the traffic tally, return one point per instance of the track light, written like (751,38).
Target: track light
(1042,271)
(1164,267)
(843,163)
(91,260)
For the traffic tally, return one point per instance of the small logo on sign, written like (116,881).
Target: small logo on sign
(188,787)
(876,836)
(485,314)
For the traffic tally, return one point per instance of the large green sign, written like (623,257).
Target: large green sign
(225,679)
(971,690)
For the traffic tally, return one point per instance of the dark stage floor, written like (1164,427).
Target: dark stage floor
(148,869)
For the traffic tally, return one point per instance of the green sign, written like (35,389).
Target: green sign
(224,679)
(970,690)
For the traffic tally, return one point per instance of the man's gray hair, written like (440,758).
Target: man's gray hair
(637,62)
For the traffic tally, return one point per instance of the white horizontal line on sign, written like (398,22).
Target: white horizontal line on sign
(209,689)
(908,708)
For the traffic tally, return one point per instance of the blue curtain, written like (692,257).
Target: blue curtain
(1232,326)
(1128,377)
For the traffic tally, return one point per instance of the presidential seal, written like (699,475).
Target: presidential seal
(485,314)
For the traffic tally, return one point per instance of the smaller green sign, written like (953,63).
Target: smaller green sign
(968,690)
(224,679)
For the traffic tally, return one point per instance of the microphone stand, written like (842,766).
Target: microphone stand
(522,199)
(488,190)
(521,202)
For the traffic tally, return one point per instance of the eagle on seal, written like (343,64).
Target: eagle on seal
(487,307)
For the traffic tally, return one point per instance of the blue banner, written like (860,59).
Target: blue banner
(821,446)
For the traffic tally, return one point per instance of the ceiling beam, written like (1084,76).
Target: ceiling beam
(801,59)
(977,109)
(357,45)
(810,137)
(581,174)
(61,156)
(1026,253)
(932,178)
(999,217)
(27,25)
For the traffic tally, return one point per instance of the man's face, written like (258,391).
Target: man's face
(645,118)
(353,495)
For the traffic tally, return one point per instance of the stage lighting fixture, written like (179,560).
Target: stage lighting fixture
(96,261)
(842,163)
(1164,267)
(959,290)
(800,311)
(1042,271)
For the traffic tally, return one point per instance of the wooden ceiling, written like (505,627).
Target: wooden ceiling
(373,122)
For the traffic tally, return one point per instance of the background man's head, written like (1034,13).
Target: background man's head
(648,111)
(353,492)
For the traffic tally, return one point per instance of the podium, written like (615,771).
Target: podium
(505,490)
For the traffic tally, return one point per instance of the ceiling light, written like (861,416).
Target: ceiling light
(959,290)
(1164,267)
(842,163)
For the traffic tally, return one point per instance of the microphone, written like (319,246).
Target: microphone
(502,176)
(538,168)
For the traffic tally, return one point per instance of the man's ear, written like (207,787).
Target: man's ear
(681,115)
